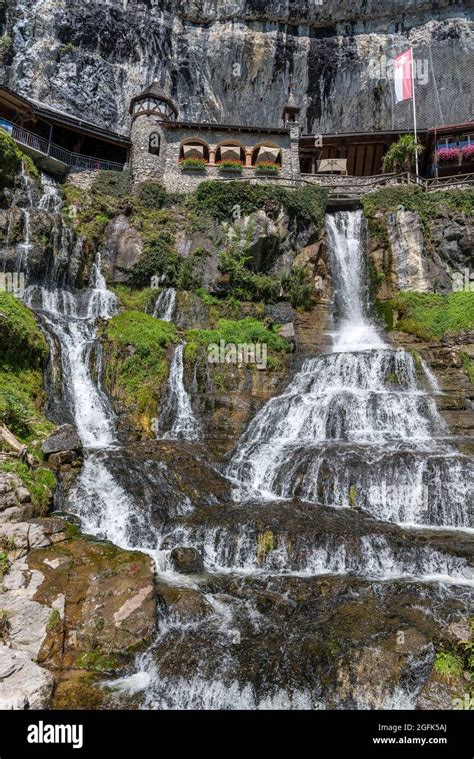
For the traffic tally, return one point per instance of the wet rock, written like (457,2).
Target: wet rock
(65,438)
(23,685)
(186,560)
(280,313)
(109,606)
(122,248)
(183,604)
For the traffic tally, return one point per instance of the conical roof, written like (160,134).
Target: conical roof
(154,90)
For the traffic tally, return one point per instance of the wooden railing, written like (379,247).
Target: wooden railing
(49,149)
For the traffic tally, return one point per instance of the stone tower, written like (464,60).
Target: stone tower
(291,120)
(148,137)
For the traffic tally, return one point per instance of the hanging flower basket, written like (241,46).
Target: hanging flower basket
(448,155)
(232,167)
(193,164)
(266,167)
(468,153)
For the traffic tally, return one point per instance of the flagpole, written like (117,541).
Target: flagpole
(414,107)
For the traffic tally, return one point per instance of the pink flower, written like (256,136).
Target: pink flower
(448,154)
(468,152)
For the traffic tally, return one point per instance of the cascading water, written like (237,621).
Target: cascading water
(177,410)
(355,427)
(165,305)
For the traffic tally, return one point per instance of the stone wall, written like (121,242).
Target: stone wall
(82,179)
(165,167)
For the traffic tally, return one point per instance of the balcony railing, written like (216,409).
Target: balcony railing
(49,149)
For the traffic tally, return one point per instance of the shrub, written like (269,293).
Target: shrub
(448,666)
(10,158)
(221,199)
(412,198)
(298,288)
(115,183)
(153,195)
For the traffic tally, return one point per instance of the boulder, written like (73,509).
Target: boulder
(23,685)
(65,438)
(186,560)
(287,331)
(15,500)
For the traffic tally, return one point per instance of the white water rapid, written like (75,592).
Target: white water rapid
(165,305)
(356,427)
(177,409)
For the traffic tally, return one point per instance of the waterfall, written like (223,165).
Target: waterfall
(177,421)
(354,428)
(165,305)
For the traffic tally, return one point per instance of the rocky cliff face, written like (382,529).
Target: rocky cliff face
(230,60)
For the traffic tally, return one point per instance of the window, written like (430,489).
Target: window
(154,143)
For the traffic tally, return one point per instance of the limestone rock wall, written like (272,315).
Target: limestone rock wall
(230,60)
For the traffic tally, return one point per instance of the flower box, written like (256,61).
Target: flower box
(266,167)
(193,164)
(447,155)
(233,167)
(468,153)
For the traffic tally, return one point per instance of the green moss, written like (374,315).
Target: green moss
(4,564)
(54,620)
(11,158)
(222,201)
(207,298)
(135,299)
(161,259)
(140,331)
(73,531)
(266,543)
(468,366)
(97,662)
(6,44)
(448,666)
(248,330)
(21,342)
(136,365)
(431,316)
(352,496)
(23,352)
(40,481)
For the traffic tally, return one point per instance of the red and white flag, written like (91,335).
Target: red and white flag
(403,76)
